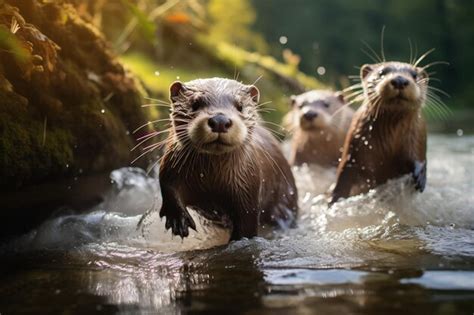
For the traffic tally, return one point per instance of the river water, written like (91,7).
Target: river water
(386,252)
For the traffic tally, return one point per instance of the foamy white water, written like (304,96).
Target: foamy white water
(387,213)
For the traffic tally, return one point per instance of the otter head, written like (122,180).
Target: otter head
(394,85)
(313,110)
(215,116)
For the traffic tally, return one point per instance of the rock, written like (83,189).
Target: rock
(67,105)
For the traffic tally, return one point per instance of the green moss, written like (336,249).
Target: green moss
(29,153)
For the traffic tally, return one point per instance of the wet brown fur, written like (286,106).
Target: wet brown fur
(386,140)
(247,187)
(320,143)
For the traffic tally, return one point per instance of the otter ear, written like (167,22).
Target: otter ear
(254,93)
(292,100)
(340,97)
(175,90)
(365,70)
(422,72)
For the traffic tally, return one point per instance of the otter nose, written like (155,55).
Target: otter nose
(399,82)
(310,115)
(219,123)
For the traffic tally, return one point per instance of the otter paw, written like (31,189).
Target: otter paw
(179,221)
(419,176)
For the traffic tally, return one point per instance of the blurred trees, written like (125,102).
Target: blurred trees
(329,33)
(231,21)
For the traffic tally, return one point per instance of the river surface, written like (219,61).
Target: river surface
(390,251)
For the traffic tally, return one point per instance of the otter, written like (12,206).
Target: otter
(319,122)
(387,137)
(221,161)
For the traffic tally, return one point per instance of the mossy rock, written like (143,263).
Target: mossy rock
(67,104)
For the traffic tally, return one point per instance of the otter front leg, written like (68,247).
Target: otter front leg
(177,217)
(344,184)
(419,175)
(245,222)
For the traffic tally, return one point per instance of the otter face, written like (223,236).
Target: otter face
(396,85)
(313,110)
(215,116)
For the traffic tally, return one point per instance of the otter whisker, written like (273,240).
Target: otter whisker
(155,105)
(411,51)
(369,55)
(263,104)
(258,79)
(438,90)
(434,64)
(151,123)
(353,87)
(377,58)
(151,136)
(274,132)
(141,155)
(382,52)
(422,57)
(436,99)
(436,102)
(155,100)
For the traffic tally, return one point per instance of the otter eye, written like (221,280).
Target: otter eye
(326,104)
(383,72)
(239,107)
(197,104)
(414,75)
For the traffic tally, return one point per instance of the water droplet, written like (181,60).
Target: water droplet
(102,111)
(157,73)
(460,132)
(283,40)
(366,142)
(452,225)
(263,180)
(370,127)
(177,77)
(67,165)
(201,175)
(321,70)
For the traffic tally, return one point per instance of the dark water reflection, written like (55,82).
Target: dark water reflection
(221,280)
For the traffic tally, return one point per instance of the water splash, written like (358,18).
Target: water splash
(385,222)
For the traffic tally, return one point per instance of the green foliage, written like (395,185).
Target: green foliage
(231,22)
(8,42)
(330,33)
